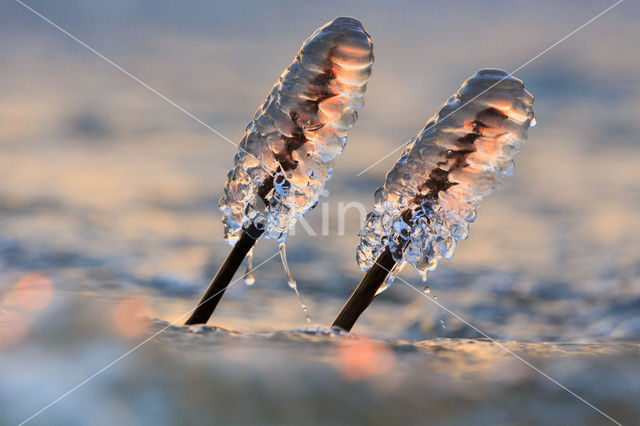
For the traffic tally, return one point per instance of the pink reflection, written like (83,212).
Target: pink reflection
(362,359)
(128,317)
(33,292)
(14,325)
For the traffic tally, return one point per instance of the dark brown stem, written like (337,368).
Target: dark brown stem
(207,304)
(364,294)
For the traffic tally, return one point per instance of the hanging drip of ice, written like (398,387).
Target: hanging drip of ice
(249,279)
(465,151)
(288,150)
(292,283)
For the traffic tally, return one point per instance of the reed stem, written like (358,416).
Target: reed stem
(365,292)
(207,304)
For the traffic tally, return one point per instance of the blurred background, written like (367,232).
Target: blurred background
(108,210)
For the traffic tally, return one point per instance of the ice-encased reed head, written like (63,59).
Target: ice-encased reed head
(288,150)
(464,152)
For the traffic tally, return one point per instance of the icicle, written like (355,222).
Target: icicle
(249,279)
(291,281)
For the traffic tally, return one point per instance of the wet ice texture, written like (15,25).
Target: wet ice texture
(288,150)
(430,195)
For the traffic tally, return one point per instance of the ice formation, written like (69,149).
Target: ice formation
(464,152)
(288,150)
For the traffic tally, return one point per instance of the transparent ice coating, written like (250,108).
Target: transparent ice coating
(288,150)
(430,195)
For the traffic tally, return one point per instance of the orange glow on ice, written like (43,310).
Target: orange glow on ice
(33,292)
(362,359)
(14,325)
(128,317)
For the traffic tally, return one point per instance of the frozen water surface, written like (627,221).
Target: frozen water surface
(202,374)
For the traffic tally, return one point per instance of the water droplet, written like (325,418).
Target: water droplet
(292,283)
(249,279)
(435,297)
(426,289)
(533,122)
(442,324)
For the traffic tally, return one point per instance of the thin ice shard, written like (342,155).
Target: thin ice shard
(249,278)
(430,195)
(288,150)
(292,282)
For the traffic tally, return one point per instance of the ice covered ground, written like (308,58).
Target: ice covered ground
(111,193)
(204,375)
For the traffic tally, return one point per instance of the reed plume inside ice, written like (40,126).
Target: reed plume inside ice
(463,153)
(288,150)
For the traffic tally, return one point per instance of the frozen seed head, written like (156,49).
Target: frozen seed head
(463,153)
(288,150)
